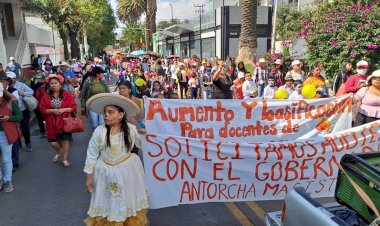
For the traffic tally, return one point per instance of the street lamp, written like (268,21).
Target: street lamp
(171,6)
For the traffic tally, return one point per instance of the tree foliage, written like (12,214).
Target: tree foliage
(130,10)
(74,18)
(167,23)
(288,22)
(343,31)
(133,36)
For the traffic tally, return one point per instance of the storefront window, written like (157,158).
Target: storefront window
(208,48)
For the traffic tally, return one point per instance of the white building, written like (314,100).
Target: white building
(23,34)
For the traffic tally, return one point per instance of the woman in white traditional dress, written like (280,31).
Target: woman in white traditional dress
(115,176)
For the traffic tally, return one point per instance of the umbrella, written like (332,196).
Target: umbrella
(130,56)
(172,56)
(139,52)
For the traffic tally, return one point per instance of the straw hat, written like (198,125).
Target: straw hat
(374,74)
(98,102)
(278,61)
(262,60)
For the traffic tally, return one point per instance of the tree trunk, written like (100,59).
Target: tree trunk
(150,23)
(63,36)
(75,52)
(248,38)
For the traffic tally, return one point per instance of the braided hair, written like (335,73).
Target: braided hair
(124,128)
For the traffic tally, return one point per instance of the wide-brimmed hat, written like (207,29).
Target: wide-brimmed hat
(262,60)
(65,64)
(374,74)
(98,102)
(289,78)
(278,61)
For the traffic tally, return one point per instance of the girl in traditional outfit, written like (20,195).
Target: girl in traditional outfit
(115,176)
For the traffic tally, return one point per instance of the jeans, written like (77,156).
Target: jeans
(6,153)
(183,86)
(24,124)
(15,152)
(96,119)
(206,94)
(261,90)
(193,93)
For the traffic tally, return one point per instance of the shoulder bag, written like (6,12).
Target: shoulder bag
(73,124)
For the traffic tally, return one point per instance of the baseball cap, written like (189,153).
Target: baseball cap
(323,90)
(11,75)
(362,63)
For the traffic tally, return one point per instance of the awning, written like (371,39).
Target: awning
(163,34)
(180,29)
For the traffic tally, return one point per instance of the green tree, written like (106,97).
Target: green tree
(288,23)
(133,36)
(130,10)
(167,23)
(343,31)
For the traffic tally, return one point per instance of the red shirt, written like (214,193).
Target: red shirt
(238,88)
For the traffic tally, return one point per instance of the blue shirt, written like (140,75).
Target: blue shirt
(69,74)
(27,92)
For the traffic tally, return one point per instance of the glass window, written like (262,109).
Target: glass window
(208,48)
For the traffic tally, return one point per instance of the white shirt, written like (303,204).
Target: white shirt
(248,87)
(296,96)
(269,92)
(289,90)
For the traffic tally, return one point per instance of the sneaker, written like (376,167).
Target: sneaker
(29,147)
(8,186)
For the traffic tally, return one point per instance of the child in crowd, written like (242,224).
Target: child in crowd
(297,93)
(249,87)
(288,86)
(270,89)
(193,84)
(156,89)
(321,92)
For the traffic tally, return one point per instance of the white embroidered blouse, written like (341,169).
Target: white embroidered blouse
(97,148)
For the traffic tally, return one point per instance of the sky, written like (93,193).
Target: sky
(182,9)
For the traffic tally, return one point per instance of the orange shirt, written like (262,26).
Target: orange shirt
(315,81)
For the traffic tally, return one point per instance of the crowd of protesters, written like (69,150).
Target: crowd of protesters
(58,88)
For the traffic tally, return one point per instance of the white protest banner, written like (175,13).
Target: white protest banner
(256,120)
(186,170)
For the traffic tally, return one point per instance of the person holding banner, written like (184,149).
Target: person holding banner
(369,99)
(115,176)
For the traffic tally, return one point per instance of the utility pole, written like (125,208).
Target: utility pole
(199,9)
(171,6)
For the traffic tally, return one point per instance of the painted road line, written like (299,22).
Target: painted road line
(257,210)
(238,214)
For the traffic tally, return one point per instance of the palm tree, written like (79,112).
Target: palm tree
(151,10)
(248,38)
(130,10)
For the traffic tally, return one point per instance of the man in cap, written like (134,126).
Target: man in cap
(261,76)
(288,85)
(278,73)
(39,88)
(22,90)
(358,80)
(14,66)
(66,71)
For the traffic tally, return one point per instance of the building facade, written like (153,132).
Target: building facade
(21,35)
(215,34)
